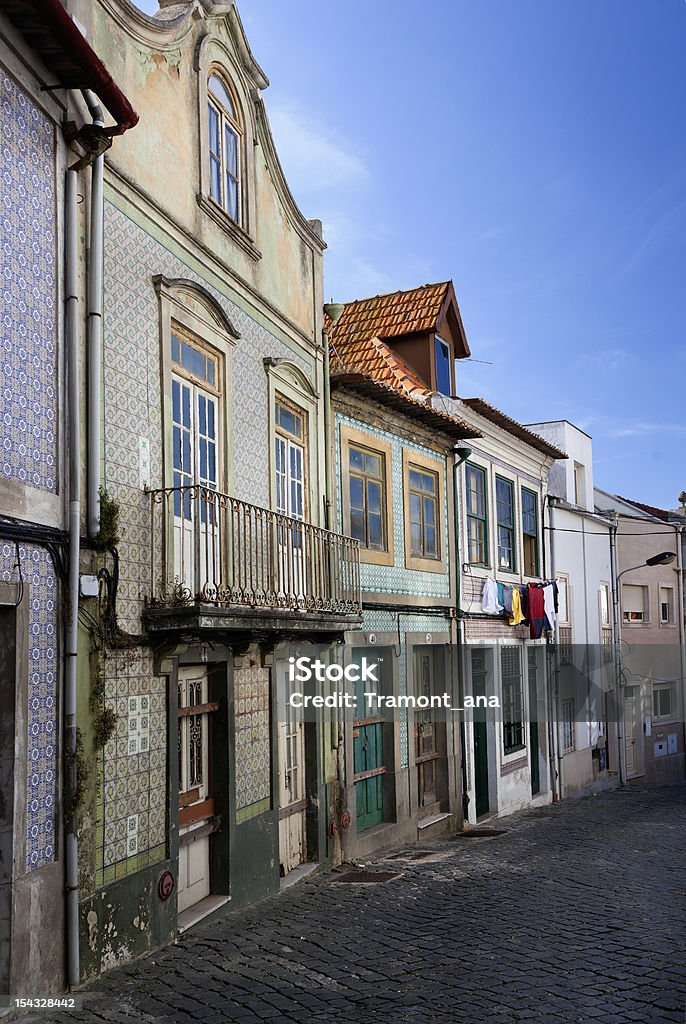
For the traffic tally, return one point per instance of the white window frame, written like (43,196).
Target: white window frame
(669,621)
(628,615)
(227,120)
(567,726)
(564,619)
(673,711)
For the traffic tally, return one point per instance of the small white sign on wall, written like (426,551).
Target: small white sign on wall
(144,462)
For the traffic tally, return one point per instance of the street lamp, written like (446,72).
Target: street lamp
(663,558)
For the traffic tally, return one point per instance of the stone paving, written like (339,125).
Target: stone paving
(574,915)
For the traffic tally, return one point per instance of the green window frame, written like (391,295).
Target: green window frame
(476,501)
(424,522)
(505,520)
(530,531)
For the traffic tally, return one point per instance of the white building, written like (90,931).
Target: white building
(578,546)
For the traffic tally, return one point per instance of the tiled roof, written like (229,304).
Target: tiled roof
(652,510)
(391,315)
(373,358)
(396,399)
(490,412)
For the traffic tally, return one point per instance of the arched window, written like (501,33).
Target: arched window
(224,146)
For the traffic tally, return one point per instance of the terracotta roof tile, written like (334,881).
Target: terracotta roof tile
(390,315)
(653,510)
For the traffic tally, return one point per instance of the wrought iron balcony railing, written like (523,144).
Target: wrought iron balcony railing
(210,548)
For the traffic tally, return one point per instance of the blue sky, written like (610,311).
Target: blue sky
(535,153)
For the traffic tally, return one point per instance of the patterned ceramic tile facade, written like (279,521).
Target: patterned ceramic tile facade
(396,579)
(133,782)
(28,353)
(253,759)
(38,575)
(133,767)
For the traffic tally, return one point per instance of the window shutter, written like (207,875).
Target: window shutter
(633,599)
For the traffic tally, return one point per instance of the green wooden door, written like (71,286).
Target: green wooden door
(368,762)
(480,734)
(533,725)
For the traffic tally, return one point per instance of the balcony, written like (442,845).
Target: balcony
(221,564)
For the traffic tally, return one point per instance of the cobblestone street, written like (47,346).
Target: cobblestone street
(575,914)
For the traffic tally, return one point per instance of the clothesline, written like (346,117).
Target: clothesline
(532,604)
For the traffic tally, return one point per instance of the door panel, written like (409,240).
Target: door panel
(480,735)
(368,758)
(633,731)
(426,752)
(292,802)
(196,807)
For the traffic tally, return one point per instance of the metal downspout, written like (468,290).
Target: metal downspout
(72,616)
(460,639)
(554,755)
(94,321)
(619,703)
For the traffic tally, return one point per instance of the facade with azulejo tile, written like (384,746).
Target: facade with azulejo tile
(44,160)
(218,557)
(395,494)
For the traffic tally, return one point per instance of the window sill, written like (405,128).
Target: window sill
(417,564)
(370,557)
(241,237)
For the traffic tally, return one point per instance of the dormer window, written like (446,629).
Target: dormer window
(224,148)
(443,375)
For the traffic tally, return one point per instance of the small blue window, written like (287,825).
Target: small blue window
(443,376)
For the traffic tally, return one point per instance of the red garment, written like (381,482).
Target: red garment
(536,611)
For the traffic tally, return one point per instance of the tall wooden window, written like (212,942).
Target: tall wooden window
(530,531)
(224,148)
(423,493)
(504,500)
(367,497)
(477,515)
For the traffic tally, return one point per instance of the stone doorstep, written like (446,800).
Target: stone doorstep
(192,915)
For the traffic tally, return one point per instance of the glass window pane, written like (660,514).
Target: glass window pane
(415,509)
(415,538)
(231,150)
(220,92)
(215,179)
(176,446)
(213,125)
(356,493)
(202,414)
(186,452)
(212,470)
(186,400)
(374,496)
(210,370)
(415,479)
(193,360)
(443,383)
(176,348)
(210,418)
(286,419)
(375,534)
(203,459)
(372,465)
(429,511)
(356,459)
(428,483)
(430,541)
(231,197)
(357,526)
(176,401)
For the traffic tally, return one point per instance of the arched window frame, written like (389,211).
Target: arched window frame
(213,57)
(225,167)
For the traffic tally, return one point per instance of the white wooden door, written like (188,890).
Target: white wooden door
(195,804)
(292,802)
(290,483)
(195,417)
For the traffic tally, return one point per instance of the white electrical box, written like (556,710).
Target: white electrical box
(88,586)
(672,743)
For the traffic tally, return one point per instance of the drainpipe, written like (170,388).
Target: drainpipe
(94,320)
(334,311)
(462,454)
(554,754)
(619,703)
(71,633)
